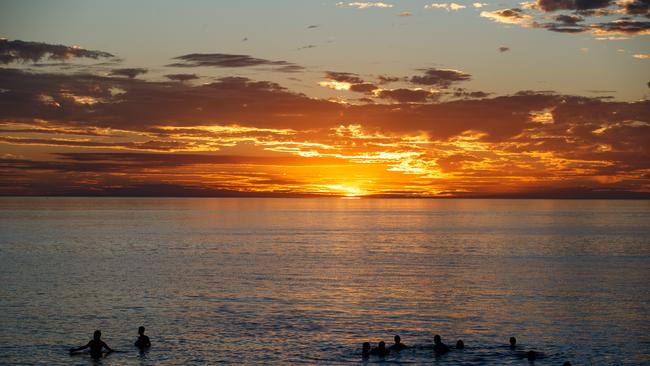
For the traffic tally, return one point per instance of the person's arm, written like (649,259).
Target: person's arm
(109,349)
(73,350)
(147,342)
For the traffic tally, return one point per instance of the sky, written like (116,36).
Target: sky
(544,98)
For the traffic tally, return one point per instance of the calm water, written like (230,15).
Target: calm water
(309,280)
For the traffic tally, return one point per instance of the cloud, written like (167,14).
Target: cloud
(23,51)
(364,5)
(569,19)
(583,10)
(445,6)
(641,56)
(507,16)
(503,49)
(343,77)
(313,26)
(479,5)
(231,61)
(636,7)
(406,95)
(128,72)
(419,143)
(405,14)
(554,5)
(347,81)
(181,77)
(442,78)
(622,26)
(385,79)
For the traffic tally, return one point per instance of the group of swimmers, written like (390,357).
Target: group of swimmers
(97,346)
(438,347)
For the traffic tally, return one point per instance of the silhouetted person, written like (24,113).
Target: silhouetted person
(398,346)
(365,350)
(460,344)
(566,363)
(513,342)
(96,345)
(380,350)
(143,340)
(438,346)
(531,355)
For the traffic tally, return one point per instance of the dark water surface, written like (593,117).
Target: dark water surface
(308,280)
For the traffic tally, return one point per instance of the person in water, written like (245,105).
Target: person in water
(143,340)
(531,355)
(460,344)
(438,346)
(96,345)
(513,342)
(398,346)
(365,350)
(380,350)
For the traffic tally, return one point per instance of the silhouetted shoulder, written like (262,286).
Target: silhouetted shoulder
(143,342)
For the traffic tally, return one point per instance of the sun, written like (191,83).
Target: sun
(345,191)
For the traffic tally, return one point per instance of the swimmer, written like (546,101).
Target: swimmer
(143,340)
(398,346)
(513,342)
(365,350)
(460,344)
(96,345)
(531,355)
(438,346)
(380,350)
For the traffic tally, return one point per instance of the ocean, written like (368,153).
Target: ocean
(280,281)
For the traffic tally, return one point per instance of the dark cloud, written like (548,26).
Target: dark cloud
(385,79)
(345,77)
(554,5)
(568,19)
(462,93)
(181,77)
(563,27)
(128,72)
(622,26)
(143,106)
(313,26)
(405,95)
(229,60)
(357,84)
(440,77)
(503,49)
(23,51)
(363,87)
(638,7)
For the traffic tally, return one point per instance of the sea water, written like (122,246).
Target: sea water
(278,281)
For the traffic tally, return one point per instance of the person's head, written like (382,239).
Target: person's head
(381,345)
(141,330)
(531,355)
(97,335)
(513,341)
(566,363)
(398,339)
(436,339)
(460,344)
(365,347)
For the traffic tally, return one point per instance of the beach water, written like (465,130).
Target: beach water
(309,280)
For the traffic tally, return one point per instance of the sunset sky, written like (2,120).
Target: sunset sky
(546,98)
